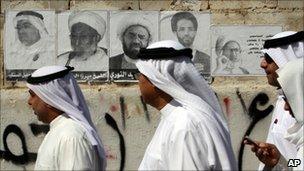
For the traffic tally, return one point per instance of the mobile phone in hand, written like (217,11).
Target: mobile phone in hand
(250,141)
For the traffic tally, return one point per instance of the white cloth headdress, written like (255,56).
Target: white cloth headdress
(89,18)
(38,24)
(291,81)
(65,95)
(35,21)
(179,78)
(282,54)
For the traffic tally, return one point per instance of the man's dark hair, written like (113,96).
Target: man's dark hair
(182,15)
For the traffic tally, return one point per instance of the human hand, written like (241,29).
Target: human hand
(221,64)
(266,152)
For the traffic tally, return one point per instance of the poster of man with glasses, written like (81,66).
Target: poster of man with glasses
(236,50)
(82,43)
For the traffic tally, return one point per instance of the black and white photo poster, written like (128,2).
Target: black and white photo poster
(236,50)
(191,29)
(83,43)
(130,31)
(29,42)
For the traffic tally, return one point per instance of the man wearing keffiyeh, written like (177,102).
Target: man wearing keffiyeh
(72,142)
(290,79)
(278,51)
(192,133)
(33,46)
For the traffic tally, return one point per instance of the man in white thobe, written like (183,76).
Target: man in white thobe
(281,48)
(192,133)
(72,142)
(290,79)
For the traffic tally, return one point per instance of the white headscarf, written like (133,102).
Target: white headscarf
(89,18)
(179,78)
(65,95)
(291,81)
(282,54)
(35,21)
(39,46)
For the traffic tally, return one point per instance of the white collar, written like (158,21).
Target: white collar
(58,120)
(168,108)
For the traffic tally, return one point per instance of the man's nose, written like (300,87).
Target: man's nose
(234,53)
(77,41)
(263,63)
(136,39)
(186,32)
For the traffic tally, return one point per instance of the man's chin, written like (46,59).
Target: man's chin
(186,43)
(274,83)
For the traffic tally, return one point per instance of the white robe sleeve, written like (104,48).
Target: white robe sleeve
(186,151)
(75,154)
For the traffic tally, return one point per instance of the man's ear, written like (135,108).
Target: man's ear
(98,38)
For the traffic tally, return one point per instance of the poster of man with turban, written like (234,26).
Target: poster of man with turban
(83,43)
(236,50)
(129,32)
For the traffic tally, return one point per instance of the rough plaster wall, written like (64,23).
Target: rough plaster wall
(105,98)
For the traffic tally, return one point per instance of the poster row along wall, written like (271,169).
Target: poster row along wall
(102,45)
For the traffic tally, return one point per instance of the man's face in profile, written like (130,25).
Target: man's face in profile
(232,50)
(28,34)
(185,32)
(270,68)
(83,38)
(134,38)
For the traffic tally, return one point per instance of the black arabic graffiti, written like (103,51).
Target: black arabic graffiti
(122,108)
(26,156)
(8,155)
(110,121)
(256,115)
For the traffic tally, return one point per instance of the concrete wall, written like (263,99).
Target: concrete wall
(106,98)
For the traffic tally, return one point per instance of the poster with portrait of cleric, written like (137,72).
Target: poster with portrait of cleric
(29,42)
(236,50)
(83,44)
(191,29)
(130,31)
